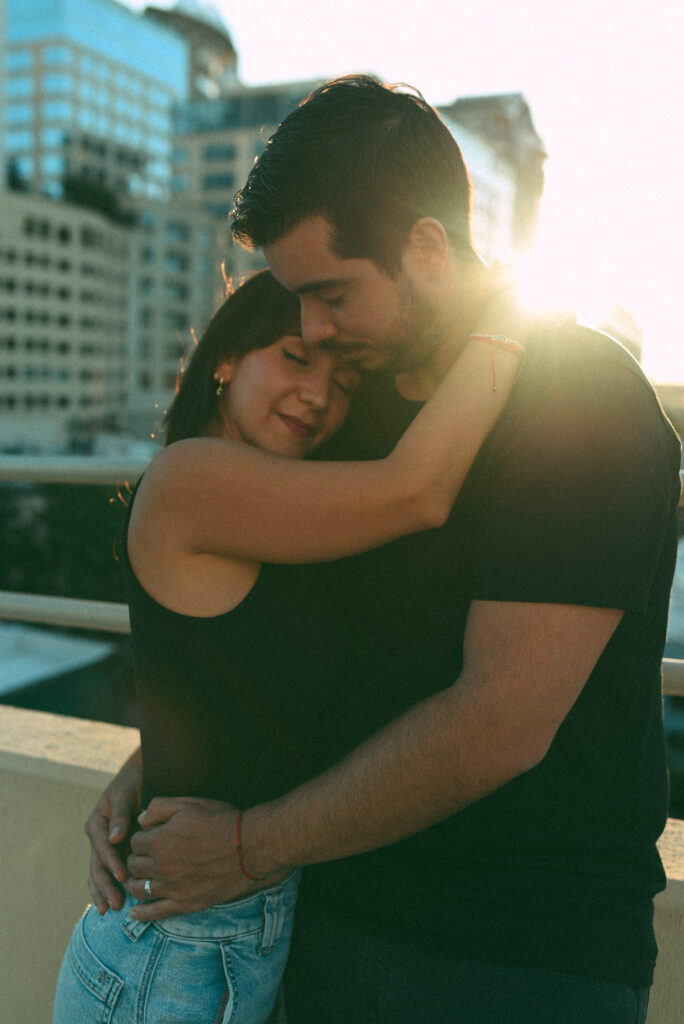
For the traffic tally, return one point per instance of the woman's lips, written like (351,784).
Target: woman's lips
(297,426)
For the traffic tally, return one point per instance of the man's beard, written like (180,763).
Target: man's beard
(421,334)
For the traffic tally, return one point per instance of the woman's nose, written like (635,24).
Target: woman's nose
(316,386)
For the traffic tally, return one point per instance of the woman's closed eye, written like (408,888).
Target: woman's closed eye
(294,357)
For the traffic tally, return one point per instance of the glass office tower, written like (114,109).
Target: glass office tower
(88,90)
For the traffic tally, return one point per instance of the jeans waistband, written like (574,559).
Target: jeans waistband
(263,911)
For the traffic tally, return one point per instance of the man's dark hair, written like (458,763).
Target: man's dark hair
(370,158)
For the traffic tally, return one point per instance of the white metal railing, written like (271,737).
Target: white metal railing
(107,616)
(70,469)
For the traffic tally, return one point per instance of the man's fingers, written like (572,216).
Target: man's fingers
(139,867)
(154,910)
(160,810)
(146,889)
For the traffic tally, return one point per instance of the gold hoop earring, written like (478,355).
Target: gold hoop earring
(219,389)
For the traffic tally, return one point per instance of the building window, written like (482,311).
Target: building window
(57,55)
(176,231)
(56,83)
(18,60)
(175,292)
(19,113)
(219,151)
(176,262)
(57,109)
(52,163)
(53,137)
(214,181)
(19,87)
(216,209)
(19,139)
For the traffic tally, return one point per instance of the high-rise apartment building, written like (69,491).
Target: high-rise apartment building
(88,90)
(101,279)
(63,337)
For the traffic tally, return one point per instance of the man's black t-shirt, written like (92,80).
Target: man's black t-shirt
(571,500)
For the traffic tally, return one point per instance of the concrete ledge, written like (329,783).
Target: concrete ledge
(667,997)
(52,769)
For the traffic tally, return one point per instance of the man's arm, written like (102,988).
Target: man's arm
(524,667)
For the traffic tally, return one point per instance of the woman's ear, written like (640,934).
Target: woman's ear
(426,252)
(224,369)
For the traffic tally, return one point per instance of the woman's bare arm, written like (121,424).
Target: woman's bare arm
(214,496)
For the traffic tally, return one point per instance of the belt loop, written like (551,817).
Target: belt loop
(134,929)
(272,922)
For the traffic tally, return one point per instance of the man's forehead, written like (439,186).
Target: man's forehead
(303,258)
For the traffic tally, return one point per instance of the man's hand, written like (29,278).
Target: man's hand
(187,849)
(108,829)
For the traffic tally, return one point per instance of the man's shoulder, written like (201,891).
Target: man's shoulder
(580,352)
(580,371)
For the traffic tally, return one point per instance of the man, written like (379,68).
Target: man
(490,855)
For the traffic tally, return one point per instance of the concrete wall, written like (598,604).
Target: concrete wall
(52,769)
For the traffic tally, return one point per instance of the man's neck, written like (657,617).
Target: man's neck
(465,296)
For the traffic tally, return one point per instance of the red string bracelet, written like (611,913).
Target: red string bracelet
(501,341)
(241,863)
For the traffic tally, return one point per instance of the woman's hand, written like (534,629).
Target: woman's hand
(503,313)
(109,828)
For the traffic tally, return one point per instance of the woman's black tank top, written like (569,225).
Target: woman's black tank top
(244,706)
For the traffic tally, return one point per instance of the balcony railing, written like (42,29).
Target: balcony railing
(113,618)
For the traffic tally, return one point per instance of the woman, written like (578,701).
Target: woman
(223,604)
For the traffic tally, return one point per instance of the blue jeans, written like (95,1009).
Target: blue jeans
(338,974)
(218,966)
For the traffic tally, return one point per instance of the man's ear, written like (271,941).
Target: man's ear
(426,252)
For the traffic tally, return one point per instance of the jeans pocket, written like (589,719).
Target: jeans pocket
(253,978)
(87,990)
(185,982)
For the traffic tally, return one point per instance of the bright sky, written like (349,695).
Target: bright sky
(605,83)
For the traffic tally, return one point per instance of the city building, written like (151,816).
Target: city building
(120,174)
(63,341)
(102,280)
(213,58)
(87,110)
(215,145)
(503,124)
(175,282)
